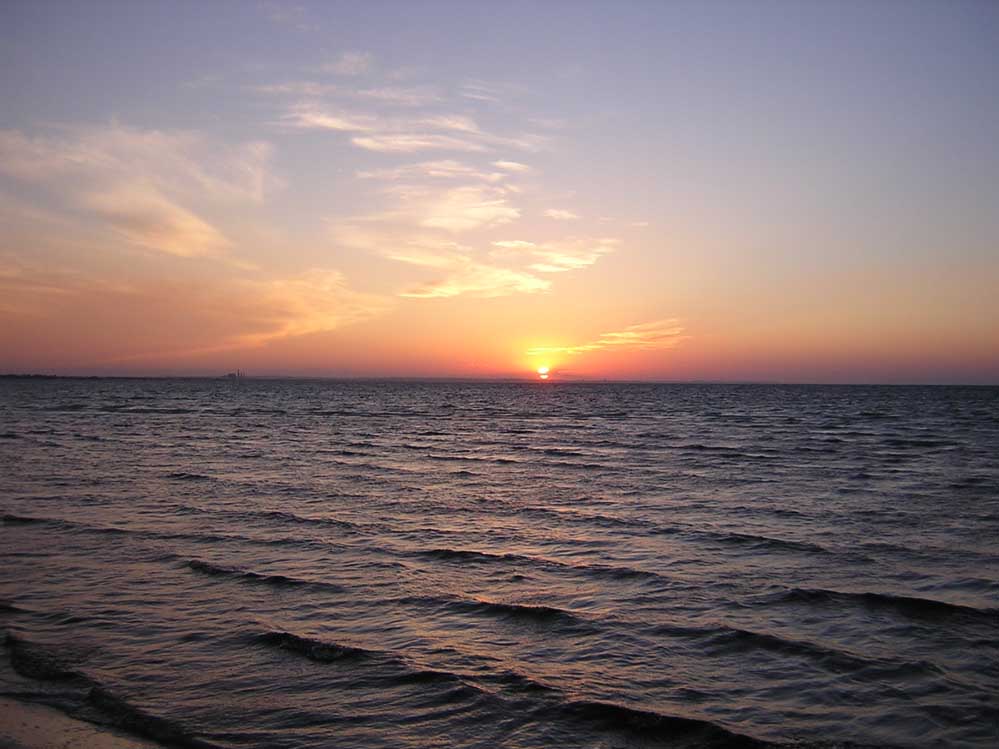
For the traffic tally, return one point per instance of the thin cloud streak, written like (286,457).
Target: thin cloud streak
(560,214)
(480,280)
(459,271)
(146,218)
(350,64)
(467,208)
(650,336)
(444,169)
(558,256)
(182,318)
(137,182)
(411,143)
(405,134)
(512,166)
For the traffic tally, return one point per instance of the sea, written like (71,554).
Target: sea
(322,563)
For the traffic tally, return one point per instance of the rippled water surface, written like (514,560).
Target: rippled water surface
(347,564)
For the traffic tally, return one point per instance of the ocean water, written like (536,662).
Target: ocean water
(386,564)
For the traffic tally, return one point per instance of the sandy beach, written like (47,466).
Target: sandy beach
(27,726)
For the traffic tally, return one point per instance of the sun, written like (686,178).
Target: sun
(543,373)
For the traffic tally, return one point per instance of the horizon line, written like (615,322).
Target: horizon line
(486,379)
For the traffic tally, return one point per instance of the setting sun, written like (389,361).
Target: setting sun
(543,373)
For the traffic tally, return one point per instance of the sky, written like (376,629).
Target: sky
(725,191)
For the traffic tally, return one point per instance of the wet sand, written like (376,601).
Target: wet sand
(27,726)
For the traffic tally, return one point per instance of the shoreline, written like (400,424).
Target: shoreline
(29,725)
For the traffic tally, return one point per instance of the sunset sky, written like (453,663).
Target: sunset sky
(789,191)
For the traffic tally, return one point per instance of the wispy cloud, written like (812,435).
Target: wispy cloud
(405,133)
(174,161)
(310,117)
(489,92)
(452,211)
(315,301)
(415,96)
(350,63)
(549,123)
(297,88)
(511,166)
(146,218)
(425,205)
(560,214)
(559,256)
(141,183)
(457,269)
(481,92)
(466,208)
(289,14)
(445,169)
(413,142)
(170,318)
(650,336)
(481,280)
(428,252)
(571,254)
(396,96)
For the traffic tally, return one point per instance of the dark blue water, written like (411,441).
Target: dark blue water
(333,564)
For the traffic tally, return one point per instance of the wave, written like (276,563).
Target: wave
(289,517)
(914,442)
(463,458)
(699,447)
(322,651)
(146,533)
(552,704)
(574,516)
(535,612)
(282,516)
(400,671)
(560,452)
(469,555)
(44,663)
(753,510)
(743,640)
(182,476)
(572,464)
(524,612)
(622,573)
(593,570)
(215,570)
(149,410)
(61,664)
(750,539)
(646,725)
(126,716)
(64,407)
(913,607)
(726,639)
